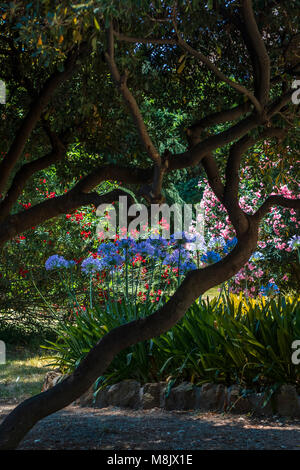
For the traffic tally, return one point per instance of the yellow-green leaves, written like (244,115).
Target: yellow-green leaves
(96,24)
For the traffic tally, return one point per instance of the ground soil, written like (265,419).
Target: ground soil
(121,429)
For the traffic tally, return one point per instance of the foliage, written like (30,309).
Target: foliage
(229,340)
(275,261)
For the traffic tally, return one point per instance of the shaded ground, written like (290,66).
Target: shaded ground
(113,428)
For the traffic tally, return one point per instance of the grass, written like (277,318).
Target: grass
(213,292)
(23,374)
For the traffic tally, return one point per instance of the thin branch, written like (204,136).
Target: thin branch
(50,208)
(276,200)
(29,122)
(121,82)
(261,58)
(137,40)
(220,75)
(219,117)
(213,175)
(236,152)
(23,175)
(145,138)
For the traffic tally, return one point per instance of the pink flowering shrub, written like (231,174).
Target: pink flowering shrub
(275,262)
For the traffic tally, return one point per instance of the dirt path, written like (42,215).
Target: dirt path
(120,429)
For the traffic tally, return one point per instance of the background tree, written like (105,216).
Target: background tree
(78,73)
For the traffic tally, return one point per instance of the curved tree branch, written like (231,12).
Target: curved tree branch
(260,57)
(276,200)
(29,122)
(28,413)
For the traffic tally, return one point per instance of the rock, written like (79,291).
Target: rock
(257,401)
(51,379)
(182,397)
(100,400)
(235,402)
(87,399)
(212,397)
(124,394)
(152,395)
(287,402)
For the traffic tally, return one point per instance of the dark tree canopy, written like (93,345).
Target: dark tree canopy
(96,74)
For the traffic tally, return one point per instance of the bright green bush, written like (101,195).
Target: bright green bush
(233,340)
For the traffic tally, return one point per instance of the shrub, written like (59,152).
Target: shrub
(227,340)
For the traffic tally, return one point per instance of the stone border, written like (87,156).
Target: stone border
(186,396)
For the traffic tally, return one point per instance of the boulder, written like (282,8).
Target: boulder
(152,395)
(124,394)
(182,397)
(287,401)
(87,399)
(212,397)
(101,400)
(236,402)
(51,379)
(257,405)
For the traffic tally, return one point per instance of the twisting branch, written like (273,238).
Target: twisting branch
(275,200)
(121,81)
(46,210)
(78,196)
(20,179)
(238,217)
(211,66)
(29,122)
(259,54)
(219,117)
(149,40)
(213,175)
(234,160)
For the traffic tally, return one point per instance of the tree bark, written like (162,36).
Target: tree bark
(27,414)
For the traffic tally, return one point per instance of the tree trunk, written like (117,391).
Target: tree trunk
(29,412)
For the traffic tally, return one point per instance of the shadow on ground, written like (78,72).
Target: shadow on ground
(120,429)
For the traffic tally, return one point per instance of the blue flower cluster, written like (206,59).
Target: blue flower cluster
(214,256)
(181,259)
(91,265)
(257,255)
(270,289)
(211,257)
(58,262)
(170,252)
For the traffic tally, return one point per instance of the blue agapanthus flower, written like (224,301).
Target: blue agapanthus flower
(113,260)
(270,289)
(181,238)
(231,243)
(158,244)
(180,258)
(145,248)
(127,244)
(58,262)
(216,242)
(107,249)
(92,265)
(210,257)
(294,242)
(257,255)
